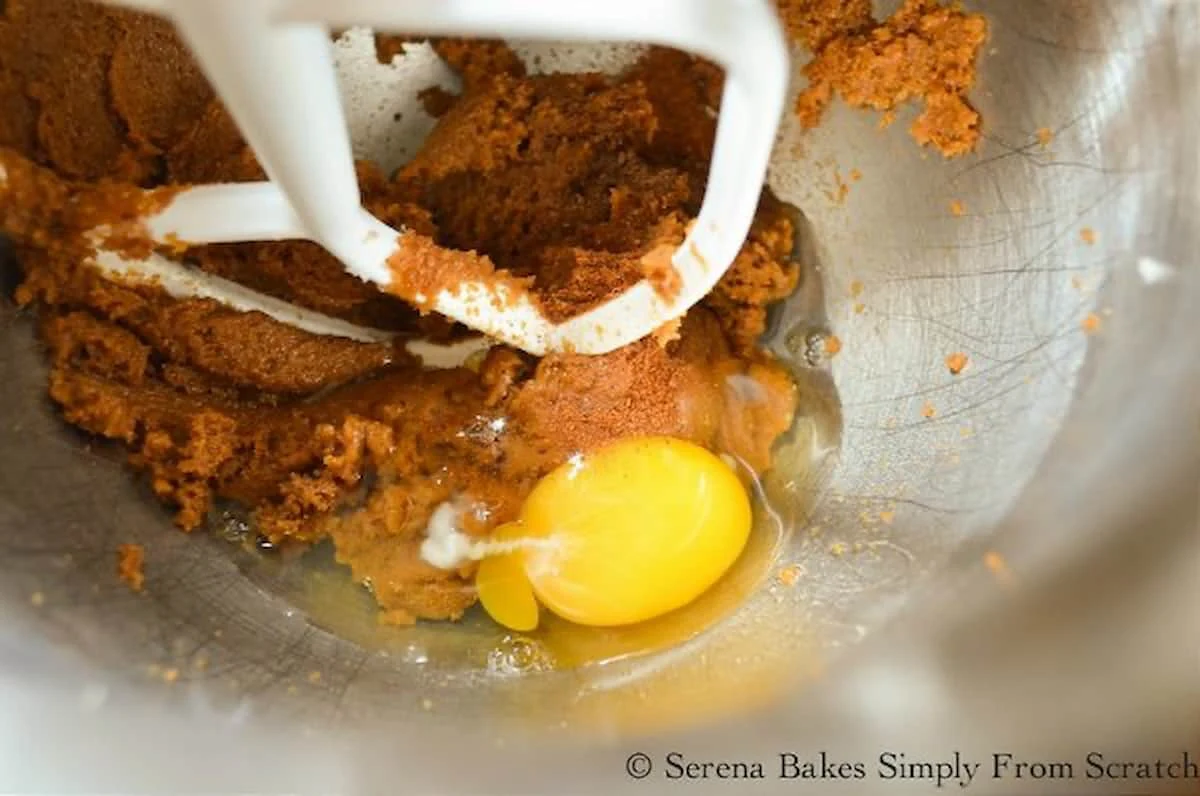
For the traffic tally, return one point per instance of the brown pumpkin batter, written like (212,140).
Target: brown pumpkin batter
(565,182)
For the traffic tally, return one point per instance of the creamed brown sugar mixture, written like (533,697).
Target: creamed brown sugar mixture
(926,52)
(561,183)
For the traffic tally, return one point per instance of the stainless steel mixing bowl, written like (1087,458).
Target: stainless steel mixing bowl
(1017,573)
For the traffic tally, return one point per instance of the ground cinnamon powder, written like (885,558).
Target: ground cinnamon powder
(564,182)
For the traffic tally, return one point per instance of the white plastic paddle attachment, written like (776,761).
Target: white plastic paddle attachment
(271,62)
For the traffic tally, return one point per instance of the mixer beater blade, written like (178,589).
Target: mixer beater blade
(271,61)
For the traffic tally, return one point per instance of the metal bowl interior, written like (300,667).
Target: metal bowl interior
(1069,454)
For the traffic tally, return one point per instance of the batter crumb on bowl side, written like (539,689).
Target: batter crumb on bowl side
(566,186)
(926,51)
(957,362)
(131,560)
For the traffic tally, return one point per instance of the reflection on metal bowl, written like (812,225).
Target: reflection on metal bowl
(998,560)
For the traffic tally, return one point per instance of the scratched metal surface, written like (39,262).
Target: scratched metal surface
(1052,446)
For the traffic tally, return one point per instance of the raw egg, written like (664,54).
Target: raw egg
(625,534)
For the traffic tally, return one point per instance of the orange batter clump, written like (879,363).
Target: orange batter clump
(565,183)
(926,51)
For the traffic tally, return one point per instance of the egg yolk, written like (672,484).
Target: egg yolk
(628,533)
